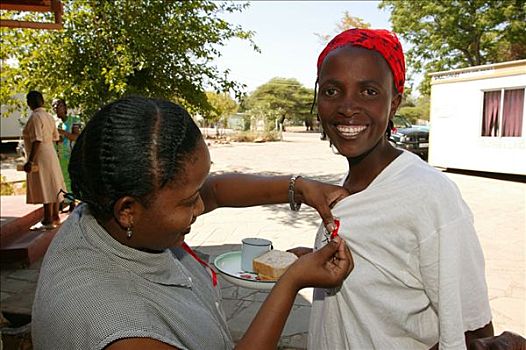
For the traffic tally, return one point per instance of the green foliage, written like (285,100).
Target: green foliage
(6,188)
(280,98)
(452,34)
(407,98)
(108,49)
(222,106)
(411,113)
(419,110)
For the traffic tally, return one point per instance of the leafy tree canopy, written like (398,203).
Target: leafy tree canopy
(287,96)
(222,106)
(108,49)
(419,110)
(452,34)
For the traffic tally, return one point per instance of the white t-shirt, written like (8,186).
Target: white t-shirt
(418,278)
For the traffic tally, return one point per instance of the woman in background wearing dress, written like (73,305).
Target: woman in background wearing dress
(45,181)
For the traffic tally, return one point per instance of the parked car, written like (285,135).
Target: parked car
(414,138)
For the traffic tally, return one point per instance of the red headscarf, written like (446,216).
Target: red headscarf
(380,40)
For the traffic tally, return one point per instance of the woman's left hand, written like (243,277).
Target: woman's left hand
(320,196)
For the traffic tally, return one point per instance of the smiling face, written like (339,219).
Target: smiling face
(61,110)
(168,217)
(356,99)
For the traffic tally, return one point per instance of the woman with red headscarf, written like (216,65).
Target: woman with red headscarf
(418,281)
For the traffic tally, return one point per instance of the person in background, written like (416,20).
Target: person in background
(419,279)
(119,275)
(68,136)
(44,177)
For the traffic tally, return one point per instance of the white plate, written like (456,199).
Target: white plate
(229,266)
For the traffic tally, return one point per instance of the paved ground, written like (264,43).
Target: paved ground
(498,206)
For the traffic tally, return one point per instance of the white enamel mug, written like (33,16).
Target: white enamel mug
(252,248)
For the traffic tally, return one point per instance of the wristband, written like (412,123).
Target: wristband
(294,206)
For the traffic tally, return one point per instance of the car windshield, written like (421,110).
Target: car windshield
(401,122)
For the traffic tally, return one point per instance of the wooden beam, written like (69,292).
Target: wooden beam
(21,7)
(54,6)
(27,5)
(25,24)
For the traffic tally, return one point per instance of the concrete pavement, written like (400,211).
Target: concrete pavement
(498,207)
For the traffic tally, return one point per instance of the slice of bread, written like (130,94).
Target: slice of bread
(273,264)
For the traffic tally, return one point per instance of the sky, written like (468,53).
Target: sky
(285,33)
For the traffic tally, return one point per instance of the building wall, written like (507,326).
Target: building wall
(456,124)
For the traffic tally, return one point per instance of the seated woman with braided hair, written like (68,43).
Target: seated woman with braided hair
(118,275)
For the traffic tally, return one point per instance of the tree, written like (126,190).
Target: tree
(108,49)
(419,110)
(348,21)
(281,98)
(222,106)
(452,34)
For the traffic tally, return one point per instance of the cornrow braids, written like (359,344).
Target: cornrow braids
(131,147)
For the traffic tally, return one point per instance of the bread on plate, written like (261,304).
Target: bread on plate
(272,264)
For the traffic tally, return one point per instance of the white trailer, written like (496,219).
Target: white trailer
(11,127)
(12,121)
(477,118)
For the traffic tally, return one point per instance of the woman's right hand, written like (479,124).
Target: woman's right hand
(320,196)
(325,268)
(28,166)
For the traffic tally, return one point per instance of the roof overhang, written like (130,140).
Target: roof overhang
(53,6)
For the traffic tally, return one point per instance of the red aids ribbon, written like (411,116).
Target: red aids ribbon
(189,250)
(334,232)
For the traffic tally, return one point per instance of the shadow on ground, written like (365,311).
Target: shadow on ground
(286,216)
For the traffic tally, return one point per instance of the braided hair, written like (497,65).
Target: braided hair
(131,147)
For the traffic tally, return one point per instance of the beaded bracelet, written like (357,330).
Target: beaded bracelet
(294,206)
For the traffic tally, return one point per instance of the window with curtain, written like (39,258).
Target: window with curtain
(503,113)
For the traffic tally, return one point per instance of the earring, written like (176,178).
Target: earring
(129,230)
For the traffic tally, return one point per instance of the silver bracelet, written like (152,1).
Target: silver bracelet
(294,206)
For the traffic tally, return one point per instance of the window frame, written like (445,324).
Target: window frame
(501,111)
